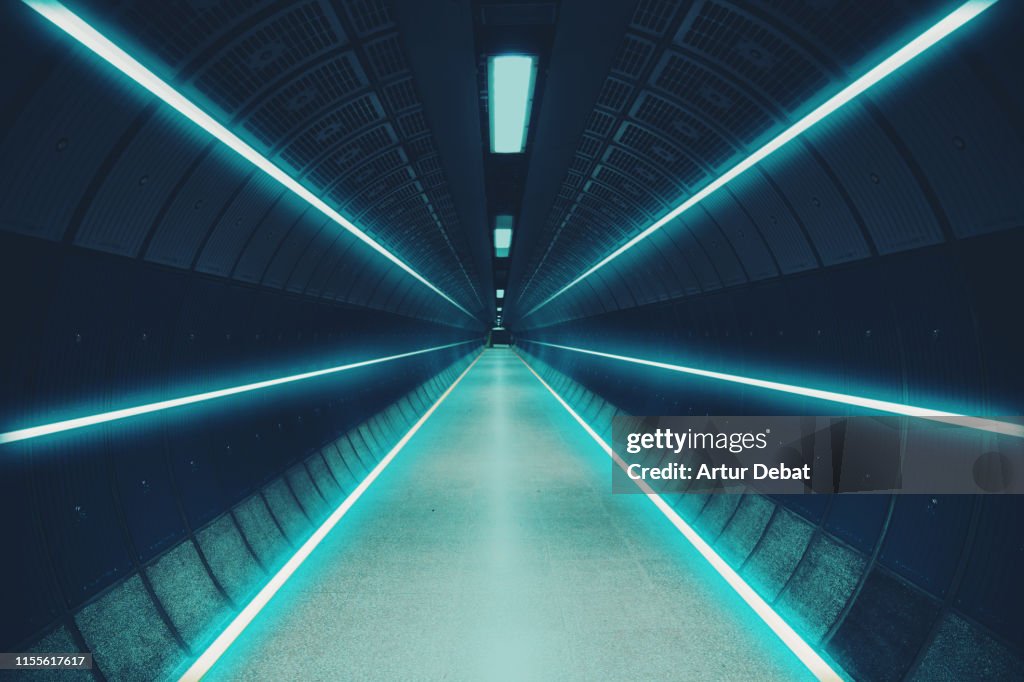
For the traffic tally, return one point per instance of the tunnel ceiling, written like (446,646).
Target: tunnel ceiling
(324,90)
(638,106)
(691,89)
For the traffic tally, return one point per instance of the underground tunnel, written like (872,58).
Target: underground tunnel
(442,339)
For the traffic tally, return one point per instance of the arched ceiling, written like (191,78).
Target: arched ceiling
(323,89)
(375,107)
(695,87)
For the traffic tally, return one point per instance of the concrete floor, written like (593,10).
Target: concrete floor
(492,549)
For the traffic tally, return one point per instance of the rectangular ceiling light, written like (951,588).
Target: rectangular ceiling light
(950,23)
(510,81)
(502,235)
(80,30)
(499,293)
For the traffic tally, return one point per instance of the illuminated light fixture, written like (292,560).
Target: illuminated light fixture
(814,662)
(499,308)
(499,293)
(980,423)
(502,235)
(960,16)
(225,639)
(510,81)
(115,415)
(88,36)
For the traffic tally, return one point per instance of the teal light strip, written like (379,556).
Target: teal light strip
(125,413)
(991,425)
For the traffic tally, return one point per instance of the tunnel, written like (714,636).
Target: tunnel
(331,326)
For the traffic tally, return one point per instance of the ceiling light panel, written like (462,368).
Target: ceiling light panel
(510,83)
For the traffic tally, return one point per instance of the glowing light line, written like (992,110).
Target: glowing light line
(212,654)
(77,28)
(124,413)
(960,16)
(980,423)
(794,642)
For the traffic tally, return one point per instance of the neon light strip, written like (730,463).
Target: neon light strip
(963,14)
(991,425)
(78,29)
(226,638)
(794,642)
(114,415)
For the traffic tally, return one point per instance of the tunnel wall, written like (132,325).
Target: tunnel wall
(141,549)
(929,327)
(892,587)
(92,331)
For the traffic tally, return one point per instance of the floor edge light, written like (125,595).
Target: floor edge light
(124,413)
(220,645)
(84,33)
(950,23)
(955,418)
(814,662)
